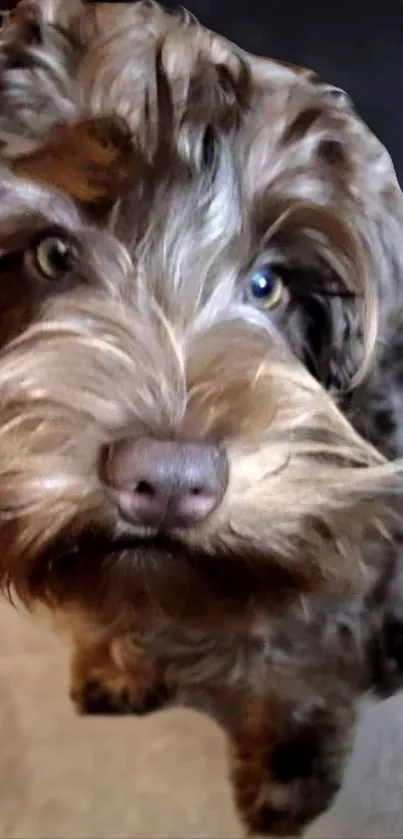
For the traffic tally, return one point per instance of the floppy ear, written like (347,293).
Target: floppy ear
(90,160)
(301,71)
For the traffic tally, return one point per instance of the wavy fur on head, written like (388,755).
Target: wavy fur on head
(174,166)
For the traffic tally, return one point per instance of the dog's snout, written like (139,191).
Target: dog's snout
(165,484)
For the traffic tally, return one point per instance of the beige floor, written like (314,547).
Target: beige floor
(62,777)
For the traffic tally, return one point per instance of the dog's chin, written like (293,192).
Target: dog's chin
(156,575)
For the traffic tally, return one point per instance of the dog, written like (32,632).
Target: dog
(201,385)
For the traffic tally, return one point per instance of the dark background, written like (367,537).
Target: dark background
(353,44)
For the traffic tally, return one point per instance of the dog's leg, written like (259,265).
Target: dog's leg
(287,700)
(113,676)
(287,763)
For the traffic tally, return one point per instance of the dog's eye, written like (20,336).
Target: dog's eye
(55,256)
(266,288)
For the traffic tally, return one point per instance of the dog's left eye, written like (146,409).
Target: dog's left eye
(266,288)
(55,256)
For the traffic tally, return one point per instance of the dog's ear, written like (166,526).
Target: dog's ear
(90,160)
(301,71)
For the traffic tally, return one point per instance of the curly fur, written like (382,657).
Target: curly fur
(177,164)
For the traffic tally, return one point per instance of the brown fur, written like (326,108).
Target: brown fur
(114,676)
(91,161)
(173,164)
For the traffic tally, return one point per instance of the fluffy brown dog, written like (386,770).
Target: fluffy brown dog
(200,257)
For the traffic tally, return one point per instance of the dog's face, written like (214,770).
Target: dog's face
(179,294)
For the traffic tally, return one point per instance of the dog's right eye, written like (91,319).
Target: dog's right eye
(265,288)
(55,256)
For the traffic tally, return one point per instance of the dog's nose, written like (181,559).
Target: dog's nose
(164,484)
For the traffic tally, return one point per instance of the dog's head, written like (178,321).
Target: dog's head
(197,248)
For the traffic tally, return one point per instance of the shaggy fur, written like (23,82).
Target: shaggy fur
(170,167)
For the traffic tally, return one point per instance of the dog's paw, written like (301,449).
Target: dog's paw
(295,782)
(114,677)
(305,777)
(96,697)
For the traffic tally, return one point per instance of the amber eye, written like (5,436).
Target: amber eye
(266,288)
(55,256)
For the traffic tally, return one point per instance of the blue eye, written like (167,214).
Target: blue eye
(266,287)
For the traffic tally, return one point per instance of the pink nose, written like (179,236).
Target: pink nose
(166,484)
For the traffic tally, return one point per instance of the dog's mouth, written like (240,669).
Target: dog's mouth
(159,575)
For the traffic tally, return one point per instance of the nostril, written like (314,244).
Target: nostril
(145,488)
(196,491)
